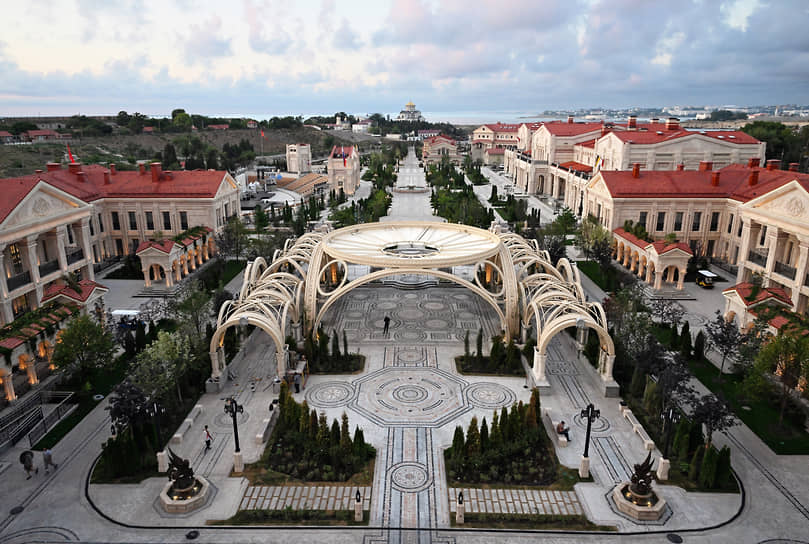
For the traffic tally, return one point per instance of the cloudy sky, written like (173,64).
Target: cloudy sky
(274,57)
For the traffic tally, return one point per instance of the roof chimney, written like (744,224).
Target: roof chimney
(74,167)
(654,120)
(705,166)
(569,118)
(715,179)
(38,171)
(773,164)
(753,178)
(680,167)
(633,122)
(753,162)
(156,168)
(636,170)
(141,168)
(53,166)
(106,177)
(112,170)
(672,123)
(793,167)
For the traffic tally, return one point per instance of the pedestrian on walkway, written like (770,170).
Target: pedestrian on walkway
(27,460)
(208,438)
(387,325)
(47,458)
(297,381)
(564,431)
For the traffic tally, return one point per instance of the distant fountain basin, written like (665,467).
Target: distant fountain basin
(181,500)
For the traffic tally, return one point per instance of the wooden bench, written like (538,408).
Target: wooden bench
(648,443)
(267,425)
(560,439)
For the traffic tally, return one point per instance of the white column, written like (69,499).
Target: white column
(33,264)
(744,249)
(8,387)
(60,248)
(539,366)
(800,274)
(772,249)
(88,250)
(680,279)
(658,279)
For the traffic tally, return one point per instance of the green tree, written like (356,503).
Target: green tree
(724,337)
(232,241)
(191,307)
(714,414)
(699,346)
(162,365)
(261,219)
(473,437)
(84,347)
(786,358)
(685,341)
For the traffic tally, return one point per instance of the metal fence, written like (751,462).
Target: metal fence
(39,430)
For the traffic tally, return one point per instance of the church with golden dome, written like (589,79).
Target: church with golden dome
(410,113)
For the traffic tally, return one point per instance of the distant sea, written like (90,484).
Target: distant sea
(454,117)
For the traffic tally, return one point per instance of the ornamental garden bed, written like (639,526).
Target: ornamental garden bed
(529,521)
(288,516)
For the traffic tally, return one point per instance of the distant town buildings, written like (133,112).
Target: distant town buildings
(438,148)
(344,169)
(299,158)
(361,127)
(410,113)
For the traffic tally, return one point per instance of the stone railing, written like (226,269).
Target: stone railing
(757,258)
(19,280)
(785,270)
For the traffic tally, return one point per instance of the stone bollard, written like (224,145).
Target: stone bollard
(459,512)
(238,462)
(358,507)
(663,469)
(162,461)
(584,467)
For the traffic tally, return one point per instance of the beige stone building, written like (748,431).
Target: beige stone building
(439,147)
(299,158)
(344,169)
(494,135)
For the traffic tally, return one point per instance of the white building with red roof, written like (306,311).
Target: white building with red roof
(438,148)
(344,169)
(493,135)
(751,217)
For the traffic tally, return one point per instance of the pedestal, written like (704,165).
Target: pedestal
(459,514)
(584,467)
(162,461)
(663,469)
(238,462)
(358,511)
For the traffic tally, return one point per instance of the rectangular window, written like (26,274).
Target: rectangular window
(642,219)
(763,237)
(16,259)
(739,230)
(92,229)
(69,230)
(661,220)
(227,210)
(133,221)
(678,221)
(696,222)
(184,220)
(19,305)
(149,221)
(715,221)
(100,223)
(730,224)
(116,222)
(166,221)
(119,246)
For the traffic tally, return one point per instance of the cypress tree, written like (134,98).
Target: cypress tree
(322,432)
(334,435)
(495,435)
(458,447)
(140,337)
(699,346)
(707,472)
(313,425)
(466,348)
(681,441)
(484,436)
(345,434)
(696,462)
(724,475)
(479,345)
(358,444)
(345,344)
(685,341)
(535,402)
(473,438)
(303,421)
(335,346)
(505,429)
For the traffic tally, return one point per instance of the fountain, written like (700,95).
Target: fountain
(636,497)
(184,492)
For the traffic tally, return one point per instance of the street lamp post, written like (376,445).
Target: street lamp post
(232,408)
(591,414)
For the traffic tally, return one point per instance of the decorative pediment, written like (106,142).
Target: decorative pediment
(44,203)
(598,186)
(227,186)
(790,203)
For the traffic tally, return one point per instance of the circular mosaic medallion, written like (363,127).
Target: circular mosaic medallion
(434,306)
(410,314)
(467,315)
(329,394)
(411,295)
(226,420)
(410,356)
(489,395)
(385,305)
(435,324)
(355,315)
(410,335)
(461,296)
(599,425)
(410,477)
(410,394)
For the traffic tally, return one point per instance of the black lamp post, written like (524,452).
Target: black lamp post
(591,414)
(670,417)
(232,408)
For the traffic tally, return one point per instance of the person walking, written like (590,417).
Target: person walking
(387,325)
(297,381)
(27,460)
(208,438)
(47,458)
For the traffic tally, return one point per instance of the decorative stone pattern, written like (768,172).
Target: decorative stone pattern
(329,394)
(489,395)
(410,477)
(517,501)
(321,497)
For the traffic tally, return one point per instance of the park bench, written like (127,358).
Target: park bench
(648,443)
(187,423)
(561,440)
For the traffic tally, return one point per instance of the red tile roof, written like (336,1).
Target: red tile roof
(659,134)
(163,245)
(563,128)
(86,289)
(744,290)
(11,343)
(338,151)
(122,184)
(588,143)
(436,139)
(45,132)
(659,246)
(733,183)
(502,127)
(577,166)
(5,134)
(496,151)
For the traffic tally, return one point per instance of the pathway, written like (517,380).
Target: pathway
(410,206)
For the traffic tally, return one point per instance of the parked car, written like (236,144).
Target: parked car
(705,278)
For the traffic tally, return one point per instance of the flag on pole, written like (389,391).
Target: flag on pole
(262,133)
(69,154)
(343,152)
(598,164)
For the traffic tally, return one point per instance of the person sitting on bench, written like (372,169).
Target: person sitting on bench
(562,430)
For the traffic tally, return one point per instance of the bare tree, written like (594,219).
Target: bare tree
(667,312)
(714,413)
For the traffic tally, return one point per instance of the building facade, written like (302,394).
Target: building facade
(299,158)
(437,148)
(493,135)
(410,113)
(344,169)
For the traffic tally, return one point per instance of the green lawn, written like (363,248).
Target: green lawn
(760,415)
(592,270)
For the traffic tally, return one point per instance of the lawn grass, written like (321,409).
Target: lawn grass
(258,475)
(762,415)
(232,269)
(592,270)
(481,369)
(566,479)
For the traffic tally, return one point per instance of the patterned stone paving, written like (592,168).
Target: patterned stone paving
(519,501)
(336,497)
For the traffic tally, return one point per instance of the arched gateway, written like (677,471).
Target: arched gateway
(292,293)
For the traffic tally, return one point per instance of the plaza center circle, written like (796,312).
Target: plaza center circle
(410,394)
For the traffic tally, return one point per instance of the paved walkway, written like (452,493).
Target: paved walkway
(316,497)
(518,501)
